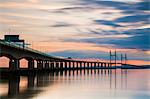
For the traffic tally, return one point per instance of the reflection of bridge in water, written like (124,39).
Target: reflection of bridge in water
(37,81)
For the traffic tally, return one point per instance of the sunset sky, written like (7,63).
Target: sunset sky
(80,28)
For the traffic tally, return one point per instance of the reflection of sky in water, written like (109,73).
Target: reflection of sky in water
(96,84)
(61,26)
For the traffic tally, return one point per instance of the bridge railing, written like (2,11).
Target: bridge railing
(17,45)
(20,46)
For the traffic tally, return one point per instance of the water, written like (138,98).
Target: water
(88,84)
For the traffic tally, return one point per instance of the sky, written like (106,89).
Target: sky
(80,28)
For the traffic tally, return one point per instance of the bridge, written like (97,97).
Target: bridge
(16,52)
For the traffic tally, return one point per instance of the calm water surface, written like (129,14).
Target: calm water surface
(88,84)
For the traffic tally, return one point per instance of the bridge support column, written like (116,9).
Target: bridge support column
(77,65)
(30,64)
(46,65)
(105,65)
(88,65)
(81,65)
(61,65)
(73,63)
(101,65)
(40,65)
(84,64)
(57,65)
(110,64)
(14,64)
(69,65)
(52,65)
(95,65)
(66,65)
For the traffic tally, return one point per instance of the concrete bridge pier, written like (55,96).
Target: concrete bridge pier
(105,65)
(61,65)
(73,65)
(46,65)
(95,65)
(101,65)
(66,65)
(84,64)
(40,65)
(80,65)
(14,64)
(52,65)
(69,65)
(31,64)
(57,65)
(108,65)
(77,65)
(88,65)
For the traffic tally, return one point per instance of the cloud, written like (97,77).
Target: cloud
(62,24)
(109,23)
(137,39)
(134,18)
(104,3)
(121,5)
(77,8)
(144,5)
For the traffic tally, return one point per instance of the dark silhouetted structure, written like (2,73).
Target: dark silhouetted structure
(14,38)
